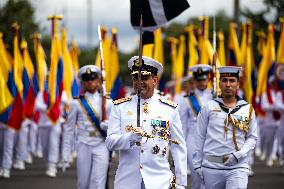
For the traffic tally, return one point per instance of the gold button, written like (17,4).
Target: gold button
(138,143)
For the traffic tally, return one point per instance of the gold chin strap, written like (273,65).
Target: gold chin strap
(142,72)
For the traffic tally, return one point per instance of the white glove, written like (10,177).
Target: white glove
(180,187)
(104,125)
(134,138)
(230,160)
(199,172)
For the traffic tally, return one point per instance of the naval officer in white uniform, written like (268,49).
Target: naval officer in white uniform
(189,108)
(226,132)
(143,161)
(85,113)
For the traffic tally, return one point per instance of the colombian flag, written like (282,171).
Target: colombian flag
(55,80)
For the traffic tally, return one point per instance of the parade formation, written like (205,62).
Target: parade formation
(208,122)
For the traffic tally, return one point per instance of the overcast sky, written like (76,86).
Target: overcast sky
(115,13)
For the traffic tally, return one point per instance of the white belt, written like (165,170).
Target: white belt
(216,159)
(88,133)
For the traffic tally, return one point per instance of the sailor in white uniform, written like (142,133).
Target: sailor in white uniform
(226,132)
(143,150)
(189,108)
(85,113)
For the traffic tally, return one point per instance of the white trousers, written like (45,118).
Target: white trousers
(50,140)
(196,181)
(9,140)
(225,179)
(2,130)
(21,143)
(267,139)
(92,166)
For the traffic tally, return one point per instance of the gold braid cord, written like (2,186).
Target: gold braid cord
(243,126)
(173,183)
(141,132)
(234,139)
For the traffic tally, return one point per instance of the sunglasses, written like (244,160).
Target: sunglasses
(143,77)
(90,77)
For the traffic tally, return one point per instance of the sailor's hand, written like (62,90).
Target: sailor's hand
(104,125)
(230,160)
(200,173)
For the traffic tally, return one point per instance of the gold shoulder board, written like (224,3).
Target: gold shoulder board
(121,100)
(168,102)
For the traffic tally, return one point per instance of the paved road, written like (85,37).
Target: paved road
(34,177)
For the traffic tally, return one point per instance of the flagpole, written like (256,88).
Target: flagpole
(214,67)
(103,78)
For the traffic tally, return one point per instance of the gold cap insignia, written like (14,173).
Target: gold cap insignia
(88,71)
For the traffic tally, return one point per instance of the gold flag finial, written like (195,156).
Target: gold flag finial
(54,23)
(16,27)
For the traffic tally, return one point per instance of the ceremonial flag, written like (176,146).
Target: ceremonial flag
(267,63)
(74,52)
(280,49)
(148,44)
(55,80)
(179,67)
(221,49)
(203,38)
(155,13)
(16,114)
(192,46)
(29,81)
(117,90)
(159,55)
(234,49)
(248,63)
(6,98)
(261,47)
(68,66)
(41,63)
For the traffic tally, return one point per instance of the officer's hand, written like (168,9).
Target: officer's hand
(104,125)
(230,160)
(199,172)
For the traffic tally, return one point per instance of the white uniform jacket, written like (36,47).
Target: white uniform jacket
(271,108)
(140,162)
(87,133)
(212,140)
(41,106)
(187,114)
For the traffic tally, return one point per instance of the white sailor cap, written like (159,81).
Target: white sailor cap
(230,71)
(200,71)
(186,78)
(89,72)
(149,66)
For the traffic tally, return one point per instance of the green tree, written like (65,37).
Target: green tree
(20,11)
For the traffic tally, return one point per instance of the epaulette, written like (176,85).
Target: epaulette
(121,100)
(168,102)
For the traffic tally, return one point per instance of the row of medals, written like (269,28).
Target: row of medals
(156,148)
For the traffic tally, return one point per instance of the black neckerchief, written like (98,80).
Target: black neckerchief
(240,104)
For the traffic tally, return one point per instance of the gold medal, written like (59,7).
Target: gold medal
(145,108)
(155,149)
